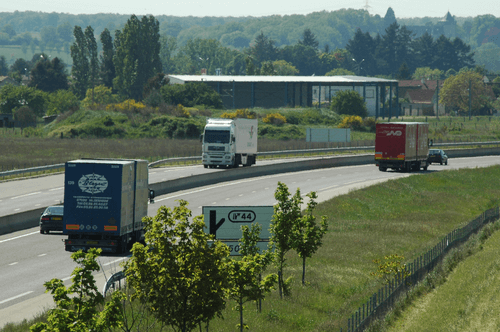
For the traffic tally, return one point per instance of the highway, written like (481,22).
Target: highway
(28,259)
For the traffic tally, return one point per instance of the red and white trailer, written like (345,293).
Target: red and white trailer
(402,146)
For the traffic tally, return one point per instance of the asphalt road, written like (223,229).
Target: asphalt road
(28,259)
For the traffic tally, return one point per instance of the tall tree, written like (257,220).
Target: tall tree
(362,49)
(137,56)
(92,56)
(107,72)
(80,68)
(424,48)
(308,39)
(262,49)
(456,95)
(389,18)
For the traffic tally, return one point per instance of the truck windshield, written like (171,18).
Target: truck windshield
(216,136)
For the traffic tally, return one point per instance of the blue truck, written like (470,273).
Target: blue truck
(104,203)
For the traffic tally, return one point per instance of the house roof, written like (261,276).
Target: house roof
(420,96)
(418,84)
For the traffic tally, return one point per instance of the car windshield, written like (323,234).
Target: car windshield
(54,210)
(216,136)
(434,151)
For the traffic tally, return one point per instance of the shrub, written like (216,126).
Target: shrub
(354,122)
(349,102)
(240,113)
(275,119)
(283,133)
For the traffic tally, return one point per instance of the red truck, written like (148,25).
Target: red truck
(402,146)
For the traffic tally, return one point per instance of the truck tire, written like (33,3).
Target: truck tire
(382,169)
(206,166)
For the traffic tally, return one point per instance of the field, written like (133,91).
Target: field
(13,52)
(406,217)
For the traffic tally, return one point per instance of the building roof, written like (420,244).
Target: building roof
(420,96)
(284,79)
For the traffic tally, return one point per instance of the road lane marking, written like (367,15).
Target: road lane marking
(20,236)
(54,189)
(38,192)
(13,263)
(17,209)
(41,255)
(115,261)
(330,187)
(16,297)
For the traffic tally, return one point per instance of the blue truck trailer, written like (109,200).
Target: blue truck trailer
(104,203)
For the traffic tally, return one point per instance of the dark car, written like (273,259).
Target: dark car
(437,156)
(52,219)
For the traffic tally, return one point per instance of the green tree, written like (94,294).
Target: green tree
(427,73)
(308,39)
(425,50)
(102,96)
(168,48)
(179,274)
(107,69)
(262,49)
(191,94)
(49,76)
(62,101)
(307,234)
(13,97)
(245,273)
(362,49)
(340,72)
(81,67)
(286,214)
(78,306)
(25,117)
(349,102)
(137,55)
(455,93)
(91,49)
(283,68)
(304,58)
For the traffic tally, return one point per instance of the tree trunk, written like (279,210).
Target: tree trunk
(303,271)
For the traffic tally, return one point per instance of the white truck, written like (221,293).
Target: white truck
(229,142)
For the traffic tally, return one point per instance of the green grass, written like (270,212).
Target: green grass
(467,301)
(405,216)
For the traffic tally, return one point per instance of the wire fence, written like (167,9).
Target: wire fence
(380,302)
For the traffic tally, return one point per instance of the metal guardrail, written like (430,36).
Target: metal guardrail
(268,153)
(110,283)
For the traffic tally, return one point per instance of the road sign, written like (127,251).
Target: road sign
(225,221)
(234,246)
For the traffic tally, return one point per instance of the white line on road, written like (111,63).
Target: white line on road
(115,261)
(38,192)
(15,297)
(41,255)
(20,236)
(53,189)
(13,263)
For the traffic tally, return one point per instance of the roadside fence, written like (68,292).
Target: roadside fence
(381,302)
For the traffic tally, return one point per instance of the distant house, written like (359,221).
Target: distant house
(421,96)
(6,120)
(4,80)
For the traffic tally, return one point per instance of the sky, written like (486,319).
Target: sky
(238,8)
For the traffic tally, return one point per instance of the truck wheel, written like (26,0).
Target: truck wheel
(382,169)
(446,162)
(206,166)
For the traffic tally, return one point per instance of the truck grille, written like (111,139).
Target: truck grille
(215,148)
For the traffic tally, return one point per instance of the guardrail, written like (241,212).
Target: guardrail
(267,153)
(111,282)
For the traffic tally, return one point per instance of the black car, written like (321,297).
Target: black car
(437,156)
(52,219)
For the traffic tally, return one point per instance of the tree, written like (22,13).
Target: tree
(191,94)
(403,72)
(262,49)
(25,117)
(283,68)
(307,234)
(424,49)
(304,58)
(427,73)
(137,55)
(107,70)
(308,39)
(362,49)
(13,97)
(389,18)
(286,214)
(91,50)
(455,93)
(245,273)
(179,274)
(77,307)
(101,95)
(349,102)
(340,72)
(62,101)
(81,66)
(4,68)
(152,95)
(49,76)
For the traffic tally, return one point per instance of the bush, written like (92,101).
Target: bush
(240,113)
(349,102)
(283,133)
(275,119)
(191,94)
(173,127)
(354,122)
